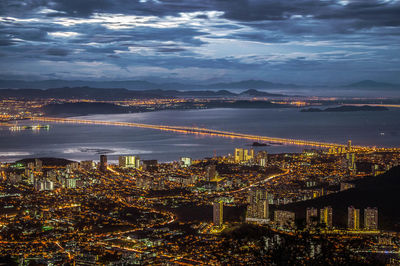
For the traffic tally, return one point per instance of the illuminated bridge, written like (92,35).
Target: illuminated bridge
(206,132)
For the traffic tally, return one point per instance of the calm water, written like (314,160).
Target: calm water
(81,142)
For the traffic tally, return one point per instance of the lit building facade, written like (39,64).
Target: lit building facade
(87,165)
(211,172)
(371,218)
(103,163)
(257,210)
(38,165)
(243,155)
(70,183)
(129,161)
(311,216)
(353,218)
(186,161)
(262,158)
(349,146)
(284,219)
(218,213)
(351,161)
(325,216)
(41,185)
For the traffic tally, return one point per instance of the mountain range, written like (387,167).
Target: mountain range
(140,85)
(121,94)
(146,85)
(371,84)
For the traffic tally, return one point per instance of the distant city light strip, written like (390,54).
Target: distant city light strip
(382,105)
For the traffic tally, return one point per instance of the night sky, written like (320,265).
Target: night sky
(289,41)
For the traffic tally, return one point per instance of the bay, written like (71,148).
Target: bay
(84,142)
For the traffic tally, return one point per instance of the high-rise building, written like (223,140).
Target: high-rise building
(129,161)
(262,158)
(70,183)
(311,216)
(218,214)
(48,185)
(41,185)
(349,146)
(248,155)
(186,161)
(239,154)
(353,218)
(73,166)
(242,155)
(38,165)
(87,165)
(31,166)
(371,218)
(284,219)
(351,161)
(325,216)
(149,164)
(257,210)
(103,163)
(211,172)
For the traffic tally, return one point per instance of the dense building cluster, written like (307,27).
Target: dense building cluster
(188,211)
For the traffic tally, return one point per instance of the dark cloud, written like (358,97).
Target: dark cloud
(365,14)
(371,12)
(7,42)
(184,35)
(258,10)
(170,50)
(29,34)
(307,35)
(57,52)
(269,37)
(81,8)
(357,13)
(202,16)
(20,8)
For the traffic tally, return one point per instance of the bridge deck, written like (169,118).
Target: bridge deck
(211,132)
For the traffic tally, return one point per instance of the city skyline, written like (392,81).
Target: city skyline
(215,132)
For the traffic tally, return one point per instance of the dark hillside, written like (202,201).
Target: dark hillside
(382,191)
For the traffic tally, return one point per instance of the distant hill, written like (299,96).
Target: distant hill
(77,93)
(147,85)
(256,93)
(346,109)
(120,94)
(370,84)
(381,191)
(139,85)
(251,84)
(56,83)
(47,161)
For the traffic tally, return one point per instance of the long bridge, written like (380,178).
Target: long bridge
(207,132)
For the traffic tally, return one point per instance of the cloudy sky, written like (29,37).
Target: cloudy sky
(287,41)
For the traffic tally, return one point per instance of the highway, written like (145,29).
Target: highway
(209,132)
(285,172)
